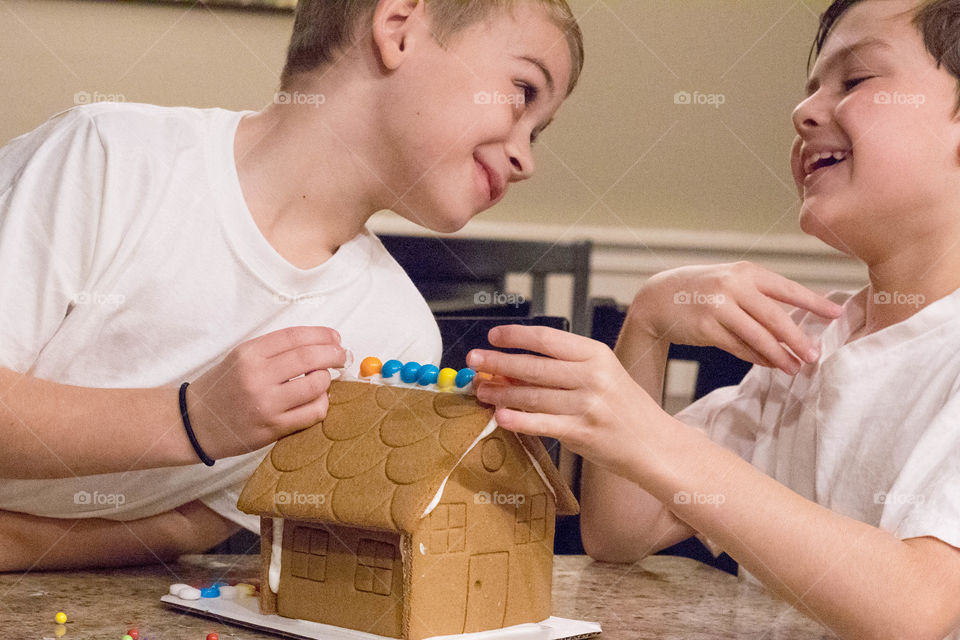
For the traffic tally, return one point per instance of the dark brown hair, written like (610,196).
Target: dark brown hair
(323,28)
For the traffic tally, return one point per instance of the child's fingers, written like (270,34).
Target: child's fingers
(792,293)
(555,343)
(534,399)
(536,424)
(282,340)
(542,371)
(303,390)
(775,320)
(760,340)
(302,360)
(305,415)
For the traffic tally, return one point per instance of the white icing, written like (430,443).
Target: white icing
(487,430)
(275,552)
(396,381)
(423,549)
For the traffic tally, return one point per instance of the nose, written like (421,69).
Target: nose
(521,156)
(810,114)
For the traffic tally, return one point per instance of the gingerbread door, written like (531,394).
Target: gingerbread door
(487,581)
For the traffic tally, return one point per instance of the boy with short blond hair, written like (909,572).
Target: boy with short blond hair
(143,246)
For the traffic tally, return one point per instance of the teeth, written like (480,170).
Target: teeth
(823,155)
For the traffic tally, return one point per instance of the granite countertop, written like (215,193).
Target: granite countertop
(661,597)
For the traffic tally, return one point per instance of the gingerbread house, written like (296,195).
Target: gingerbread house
(407,513)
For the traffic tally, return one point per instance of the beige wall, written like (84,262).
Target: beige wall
(620,152)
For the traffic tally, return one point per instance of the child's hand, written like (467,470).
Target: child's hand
(732,306)
(251,398)
(580,394)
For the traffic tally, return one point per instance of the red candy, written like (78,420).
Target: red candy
(134,633)
(213,636)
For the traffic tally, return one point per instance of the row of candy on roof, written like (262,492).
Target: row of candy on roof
(414,374)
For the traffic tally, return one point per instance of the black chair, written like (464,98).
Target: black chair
(467,276)
(716,368)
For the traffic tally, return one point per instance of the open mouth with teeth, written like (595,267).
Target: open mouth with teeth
(823,160)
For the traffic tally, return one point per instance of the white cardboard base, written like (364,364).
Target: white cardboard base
(244,611)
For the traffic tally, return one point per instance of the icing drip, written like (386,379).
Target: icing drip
(275,552)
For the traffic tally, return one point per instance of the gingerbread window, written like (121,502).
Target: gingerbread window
(374,566)
(448,528)
(309,555)
(531,520)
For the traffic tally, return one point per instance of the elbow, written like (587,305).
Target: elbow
(606,546)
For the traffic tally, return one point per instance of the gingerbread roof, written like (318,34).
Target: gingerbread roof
(378,458)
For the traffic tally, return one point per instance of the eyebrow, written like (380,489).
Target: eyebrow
(850,51)
(537,62)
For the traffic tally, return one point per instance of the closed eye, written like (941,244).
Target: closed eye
(530,92)
(852,83)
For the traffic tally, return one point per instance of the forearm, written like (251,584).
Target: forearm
(620,522)
(53,430)
(858,580)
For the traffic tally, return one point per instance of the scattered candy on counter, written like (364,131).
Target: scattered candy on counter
(213,636)
(127,637)
(134,634)
(61,617)
(411,373)
(60,630)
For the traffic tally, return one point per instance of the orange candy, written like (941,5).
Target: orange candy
(370,367)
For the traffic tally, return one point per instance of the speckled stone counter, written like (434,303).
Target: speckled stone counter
(660,597)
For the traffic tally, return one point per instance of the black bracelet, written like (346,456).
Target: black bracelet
(207,460)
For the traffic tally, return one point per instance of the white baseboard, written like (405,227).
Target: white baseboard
(624,258)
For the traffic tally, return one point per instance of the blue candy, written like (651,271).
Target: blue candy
(410,372)
(464,377)
(390,367)
(428,375)
(210,592)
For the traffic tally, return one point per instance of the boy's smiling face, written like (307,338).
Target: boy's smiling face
(877,153)
(458,122)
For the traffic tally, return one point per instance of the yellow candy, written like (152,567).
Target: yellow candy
(446,378)
(370,367)
(60,631)
(61,617)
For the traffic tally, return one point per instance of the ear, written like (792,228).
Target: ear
(397,26)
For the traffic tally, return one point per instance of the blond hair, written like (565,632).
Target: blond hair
(322,28)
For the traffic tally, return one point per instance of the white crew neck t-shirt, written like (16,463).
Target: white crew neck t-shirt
(871,430)
(129,258)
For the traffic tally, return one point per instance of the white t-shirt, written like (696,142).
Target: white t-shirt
(129,258)
(871,431)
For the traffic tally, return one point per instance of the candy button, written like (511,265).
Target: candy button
(213,636)
(127,637)
(464,377)
(370,367)
(446,378)
(245,589)
(134,633)
(428,375)
(185,592)
(61,617)
(390,367)
(410,372)
(210,592)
